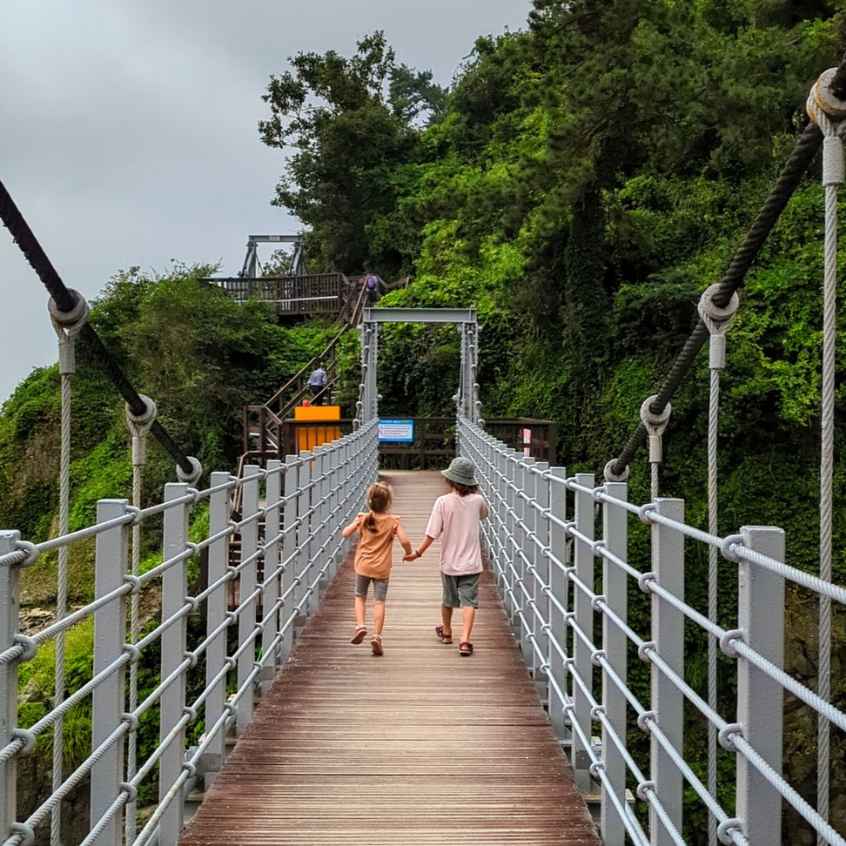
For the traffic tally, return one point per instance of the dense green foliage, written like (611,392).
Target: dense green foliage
(585,180)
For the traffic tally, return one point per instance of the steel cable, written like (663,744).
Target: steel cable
(800,158)
(64,299)
(61,595)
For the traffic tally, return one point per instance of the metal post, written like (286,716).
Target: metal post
(519,546)
(372,373)
(173,649)
(668,635)
(558,589)
(8,683)
(247,586)
(321,489)
(542,568)
(529,548)
(759,697)
(303,529)
(615,591)
(270,592)
(584,620)
(107,699)
(219,507)
(289,546)
(509,467)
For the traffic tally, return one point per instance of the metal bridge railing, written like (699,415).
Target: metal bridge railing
(308,499)
(544,551)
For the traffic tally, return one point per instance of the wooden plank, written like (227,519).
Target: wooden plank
(418,747)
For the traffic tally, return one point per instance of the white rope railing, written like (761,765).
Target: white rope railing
(536,511)
(308,499)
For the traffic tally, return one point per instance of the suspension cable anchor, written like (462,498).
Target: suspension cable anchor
(139,425)
(655,424)
(196,471)
(609,474)
(67,325)
(717,320)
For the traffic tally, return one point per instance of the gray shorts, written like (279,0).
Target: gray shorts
(380,587)
(461,591)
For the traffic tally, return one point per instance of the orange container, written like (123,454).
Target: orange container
(311,436)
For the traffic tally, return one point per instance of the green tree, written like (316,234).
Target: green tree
(350,122)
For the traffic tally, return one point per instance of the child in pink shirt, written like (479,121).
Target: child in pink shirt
(456,520)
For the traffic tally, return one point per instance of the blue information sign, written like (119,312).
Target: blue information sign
(396,431)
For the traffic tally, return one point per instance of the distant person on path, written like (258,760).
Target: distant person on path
(316,383)
(456,519)
(372,285)
(373,558)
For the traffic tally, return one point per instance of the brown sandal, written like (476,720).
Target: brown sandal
(443,638)
(376,645)
(360,634)
(465,648)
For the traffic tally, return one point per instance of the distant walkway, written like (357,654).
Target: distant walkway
(417,747)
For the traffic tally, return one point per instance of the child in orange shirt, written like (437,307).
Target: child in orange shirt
(377,529)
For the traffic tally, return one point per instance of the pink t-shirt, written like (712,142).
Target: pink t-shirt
(455,520)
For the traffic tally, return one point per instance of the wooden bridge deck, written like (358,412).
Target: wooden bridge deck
(419,746)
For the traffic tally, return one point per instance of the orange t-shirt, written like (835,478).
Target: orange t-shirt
(373,555)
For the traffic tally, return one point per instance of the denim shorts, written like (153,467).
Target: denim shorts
(461,591)
(380,587)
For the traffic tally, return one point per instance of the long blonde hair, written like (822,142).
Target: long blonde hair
(378,501)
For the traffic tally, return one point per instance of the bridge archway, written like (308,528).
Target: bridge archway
(466,397)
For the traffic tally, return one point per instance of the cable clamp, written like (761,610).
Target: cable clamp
(598,601)
(29,646)
(190,768)
(609,474)
(190,711)
(644,579)
(130,790)
(644,511)
(26,831)
(231,618)
(132,651)
(131,720)
(597,711)
(644,719)
(655,423)
(137,519)
(596,768)
(726,736)
(728,640)
(67,325)
(139,424)
(31,553)
(28,739)
(727,546)
(191,658)
(644,649)
(643,790)
(133,581)
(726,827)
(192,476)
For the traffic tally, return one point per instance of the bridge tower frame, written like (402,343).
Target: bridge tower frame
(467,397)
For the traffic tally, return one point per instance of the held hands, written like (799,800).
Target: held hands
(411,556)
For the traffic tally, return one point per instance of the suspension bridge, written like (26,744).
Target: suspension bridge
(272,728)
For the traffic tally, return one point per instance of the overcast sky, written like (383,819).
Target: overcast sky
(128,129)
